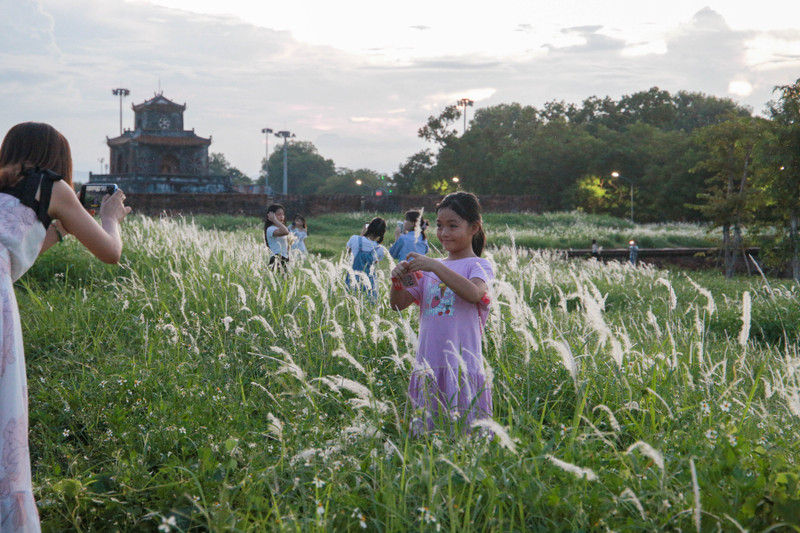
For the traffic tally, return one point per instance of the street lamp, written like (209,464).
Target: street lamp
(464,102)
(456,181)
(101,160)
(121,93)
(266,131)
(620,176)
(285,135)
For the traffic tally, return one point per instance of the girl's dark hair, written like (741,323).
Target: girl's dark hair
(274,208)
(34,144)
(413,215)
(376,228)
(303,220)
(466,206)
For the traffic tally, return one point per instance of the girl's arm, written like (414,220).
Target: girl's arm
(399,300)
(472,290)
(103,239)
(280,229)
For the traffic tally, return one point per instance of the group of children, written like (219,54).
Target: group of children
(448,383)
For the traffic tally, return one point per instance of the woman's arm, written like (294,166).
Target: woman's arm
(280,229)
(472,290)
(103,239)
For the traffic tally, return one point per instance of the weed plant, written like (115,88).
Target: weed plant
(191,389)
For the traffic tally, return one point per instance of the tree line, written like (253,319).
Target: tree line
(687,156)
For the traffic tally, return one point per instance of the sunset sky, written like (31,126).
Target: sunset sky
(359,78)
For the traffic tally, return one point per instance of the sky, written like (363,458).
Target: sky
(358,79)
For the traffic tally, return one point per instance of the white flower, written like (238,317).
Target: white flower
(320,508)
(65,433)
(167,524)
(318,482)
(733,440)
(725,406)
(705,408)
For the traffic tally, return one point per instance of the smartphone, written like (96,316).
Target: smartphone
(91,195)
(401,225)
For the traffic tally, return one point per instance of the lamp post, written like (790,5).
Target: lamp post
(285,135)
(101,160)
(266,131)
(620,176)
(464,102)
(121,93)
(456,180)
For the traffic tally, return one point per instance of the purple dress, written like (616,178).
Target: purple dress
(448,382)
(23,219)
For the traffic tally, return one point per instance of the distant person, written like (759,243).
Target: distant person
(37,208)
(448,383)
(633,252)
(300,232)
(410,236)
(595,249)
(275,233)
(366,250)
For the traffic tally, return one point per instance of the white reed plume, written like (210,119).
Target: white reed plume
(500,433)
(577,471)
(275,426)
(744,335)
(711,305)
(663,401)
(242,294)
(263,321)
(649,451)
(673,298)
(628,495)
(611,418)
(344,354)
(654,322)
(288,366)
(696,492)
(567,359)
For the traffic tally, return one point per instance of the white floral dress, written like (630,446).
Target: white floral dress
(23,219)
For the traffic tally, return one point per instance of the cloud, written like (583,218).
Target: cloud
(361,110)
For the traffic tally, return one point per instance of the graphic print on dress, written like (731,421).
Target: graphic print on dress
(440,299)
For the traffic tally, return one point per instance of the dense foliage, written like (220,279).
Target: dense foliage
(565,153)
(190,389)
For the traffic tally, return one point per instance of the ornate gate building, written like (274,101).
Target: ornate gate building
(159,156)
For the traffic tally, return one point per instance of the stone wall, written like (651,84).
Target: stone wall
(307,205)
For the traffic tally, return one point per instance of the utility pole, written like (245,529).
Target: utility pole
(266,131)
(285,135)
(121,93)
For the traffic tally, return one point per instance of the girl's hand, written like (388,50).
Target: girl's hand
(418,262)
(400,270)
(113,207)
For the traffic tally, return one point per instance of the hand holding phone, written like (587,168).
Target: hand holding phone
(92,194)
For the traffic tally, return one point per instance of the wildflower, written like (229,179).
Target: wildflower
(705,408)
(426,516)
(167,524)
(318,482)
(362,520)
(711,435)
(65,433)
(563,430)
(762,440)
(733,440)
(320,508)
(725,406)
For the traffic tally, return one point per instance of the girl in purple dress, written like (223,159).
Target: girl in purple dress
(448,385)
(37,208)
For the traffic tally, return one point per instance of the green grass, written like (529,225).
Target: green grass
(190,383)
(329,233)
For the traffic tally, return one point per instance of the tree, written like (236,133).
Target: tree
(219,166)
(780,181)
(730,148)
(362,181)
(307,169)
(440,129)
(415,174)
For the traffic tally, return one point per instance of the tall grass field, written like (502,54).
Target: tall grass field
(191,389)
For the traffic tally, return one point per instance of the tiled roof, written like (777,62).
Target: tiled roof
(158,101)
